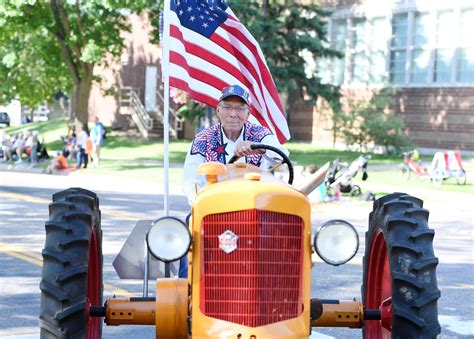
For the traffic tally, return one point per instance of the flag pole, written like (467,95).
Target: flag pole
(166,104)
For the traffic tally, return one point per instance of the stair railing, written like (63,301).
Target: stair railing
(130,99)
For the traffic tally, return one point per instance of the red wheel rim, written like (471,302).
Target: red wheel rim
(378,288)
(93,286)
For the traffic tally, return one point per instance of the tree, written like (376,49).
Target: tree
(47,47)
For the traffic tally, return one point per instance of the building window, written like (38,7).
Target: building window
(358,52)
(421,54)
(430,47)
(378,46)
(465,59)
(444,53)
(338,42)
(398,52)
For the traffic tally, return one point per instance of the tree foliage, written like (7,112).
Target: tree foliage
(286,30)
(46,47)
(366,122)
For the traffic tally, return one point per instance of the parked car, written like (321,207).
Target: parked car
(4,119)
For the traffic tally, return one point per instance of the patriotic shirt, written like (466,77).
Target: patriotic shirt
(211,144)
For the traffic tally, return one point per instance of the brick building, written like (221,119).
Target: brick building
(423,49)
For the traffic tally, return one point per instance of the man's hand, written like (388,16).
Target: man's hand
(242,148)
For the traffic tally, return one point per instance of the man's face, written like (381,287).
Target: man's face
(232,113)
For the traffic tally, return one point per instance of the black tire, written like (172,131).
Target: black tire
(73,249)
(409,257)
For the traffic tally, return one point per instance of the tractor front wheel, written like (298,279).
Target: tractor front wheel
(71,281)
(400,270)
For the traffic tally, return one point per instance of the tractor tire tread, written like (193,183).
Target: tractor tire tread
(423,264)
(73,214)
(409,241)
(71,272)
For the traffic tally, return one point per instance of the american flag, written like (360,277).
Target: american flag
(211,49)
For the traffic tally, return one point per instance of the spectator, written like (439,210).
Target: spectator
(19,146)
(31,146)
(70,142)
(82,157)
(57,164)
(7,147)
(5,144)
(97,136)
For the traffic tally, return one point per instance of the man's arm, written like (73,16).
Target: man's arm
(191,179)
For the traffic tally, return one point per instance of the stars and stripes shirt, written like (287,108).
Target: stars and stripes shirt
(211,144)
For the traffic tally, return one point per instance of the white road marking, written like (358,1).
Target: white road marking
(457,325)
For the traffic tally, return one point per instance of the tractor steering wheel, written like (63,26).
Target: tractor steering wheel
(285,160)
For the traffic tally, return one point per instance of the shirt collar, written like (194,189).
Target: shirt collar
(224,137)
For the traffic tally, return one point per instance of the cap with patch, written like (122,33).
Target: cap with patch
(236,91)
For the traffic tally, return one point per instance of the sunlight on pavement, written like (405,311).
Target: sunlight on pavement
(457,325)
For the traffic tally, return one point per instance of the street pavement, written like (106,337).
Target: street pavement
(24,199)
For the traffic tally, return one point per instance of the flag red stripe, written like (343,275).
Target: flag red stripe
(263,68)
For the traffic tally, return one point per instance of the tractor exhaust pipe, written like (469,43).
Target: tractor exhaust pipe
(340,313)
(123,311)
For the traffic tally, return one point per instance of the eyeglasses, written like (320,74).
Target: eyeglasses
(238,109)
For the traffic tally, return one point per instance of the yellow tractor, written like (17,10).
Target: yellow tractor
(249,247)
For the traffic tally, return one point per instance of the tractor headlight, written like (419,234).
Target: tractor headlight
(336,242)
(168,239)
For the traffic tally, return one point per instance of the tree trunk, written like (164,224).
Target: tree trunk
(80,100)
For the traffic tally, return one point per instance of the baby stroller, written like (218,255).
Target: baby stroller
(339,177)
(447,165)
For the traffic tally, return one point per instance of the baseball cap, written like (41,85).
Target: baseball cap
(236,91)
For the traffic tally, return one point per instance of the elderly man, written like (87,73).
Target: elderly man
(233,134)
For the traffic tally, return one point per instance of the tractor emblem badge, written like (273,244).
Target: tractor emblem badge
(228,241)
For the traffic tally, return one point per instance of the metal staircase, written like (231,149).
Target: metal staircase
(150,124)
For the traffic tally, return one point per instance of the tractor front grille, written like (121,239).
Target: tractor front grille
(260,282)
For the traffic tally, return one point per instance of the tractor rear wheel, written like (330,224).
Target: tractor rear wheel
(72,266)
(400,270)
